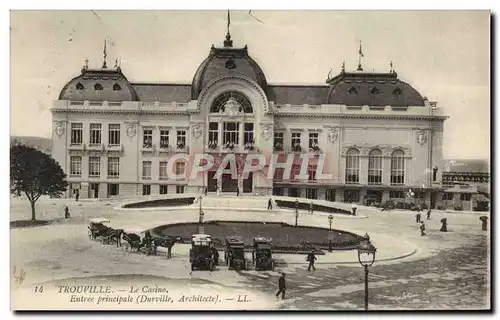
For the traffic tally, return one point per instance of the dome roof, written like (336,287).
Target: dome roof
(373,89)
(226,61)
(99,85)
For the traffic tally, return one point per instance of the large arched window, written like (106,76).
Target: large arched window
(398,167)
(375,167)
(240,103)
(352,166)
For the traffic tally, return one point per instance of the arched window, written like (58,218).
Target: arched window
(398,167)
(239,101)
(79,86)
(116,87)
(375,167)
(352,166)
(97,86)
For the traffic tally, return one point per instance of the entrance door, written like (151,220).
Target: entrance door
(211,182)
(94,190)
(229,184)
(433,200)
(373,196)
(248,183)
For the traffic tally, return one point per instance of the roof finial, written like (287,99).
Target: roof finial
(343,67)
(360,55)
(391,69)
(104,65)
(228,42)
(86,66)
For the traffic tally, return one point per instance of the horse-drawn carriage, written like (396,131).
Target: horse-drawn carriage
(261,254)
(234,254)
(133,238)
(98,230)
(201,252)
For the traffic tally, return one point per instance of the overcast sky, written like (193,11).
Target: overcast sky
(444,55)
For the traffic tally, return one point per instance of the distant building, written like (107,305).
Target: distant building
(466,184)
(379,135)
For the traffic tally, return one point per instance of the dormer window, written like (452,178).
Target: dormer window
(352,90)
(375,90)
(396,91)
(98,86)
(117,87)
(79,86)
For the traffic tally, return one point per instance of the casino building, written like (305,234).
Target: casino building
(379,136)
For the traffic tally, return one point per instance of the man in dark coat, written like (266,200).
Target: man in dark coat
(77,195)
(422,228)
(66,213)
(270,204)
(148,240)
(281,286)
(311,257)
(215,253)
(429,215)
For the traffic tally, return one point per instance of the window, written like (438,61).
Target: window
(447,196)
(352,166)
(375,167)
(95,133)
(465,196)
(76,133)
(311,193)
(180,167)
(213,135)
(146,189)
(79,86)
(248,138)
(419,195)
(278,141)
(147,138)
(311,172)
(396,194)
(230,134)
(396,92)
(278,174)
(351,195)
(313,141)
(114,135)
(375,90)
(352,90)
(163,170)
(113,167)
(163,189)
(164,139)
(97,86)
(233,99)
(75,166)
(94,167)
(181,138)
(146,170)
(113,189)
(294,172)
(296,141)
(397,167)
(179,189)
(330,195)
(117,87)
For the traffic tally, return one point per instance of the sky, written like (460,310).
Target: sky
(444,55)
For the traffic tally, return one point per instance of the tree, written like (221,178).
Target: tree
(35,173)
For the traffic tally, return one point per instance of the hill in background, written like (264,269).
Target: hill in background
(39,143)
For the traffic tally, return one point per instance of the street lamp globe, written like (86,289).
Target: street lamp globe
(366,248)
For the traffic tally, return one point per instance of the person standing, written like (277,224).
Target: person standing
(311,257)
(311,208)
(66,213)
(238,191)
(429,215)
(270,204)
(281,286)
(354,209)
(422,228)
(418,216)
(77,195)
(148,241)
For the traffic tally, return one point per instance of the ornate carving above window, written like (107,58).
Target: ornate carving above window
(231,102)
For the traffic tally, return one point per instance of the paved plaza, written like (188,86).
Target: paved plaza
(438,271)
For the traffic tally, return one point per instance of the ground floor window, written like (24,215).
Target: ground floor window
(447,196)
(146,189)
(277,191)
(419,195)
(163,189)
(311,193)
(179,189)
(293,192)
(330,195)
(396,195)
(465,197)
(351,195)
(113,189)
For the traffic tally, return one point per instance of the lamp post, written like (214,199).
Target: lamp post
(330,220)
(201,214)
(365,247)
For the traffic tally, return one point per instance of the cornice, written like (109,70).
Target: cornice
(134,112)
(361,116)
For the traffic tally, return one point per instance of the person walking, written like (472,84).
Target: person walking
(77,195)
(422,228)
(66,213)
(311,257)
(148,241)
(238,191)
(281,286)
(429,215)
(354,209)
(270,204)
(417,217)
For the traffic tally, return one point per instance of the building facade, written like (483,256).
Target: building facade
(378,136)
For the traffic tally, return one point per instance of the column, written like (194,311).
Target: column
(241,135)
(220,127)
